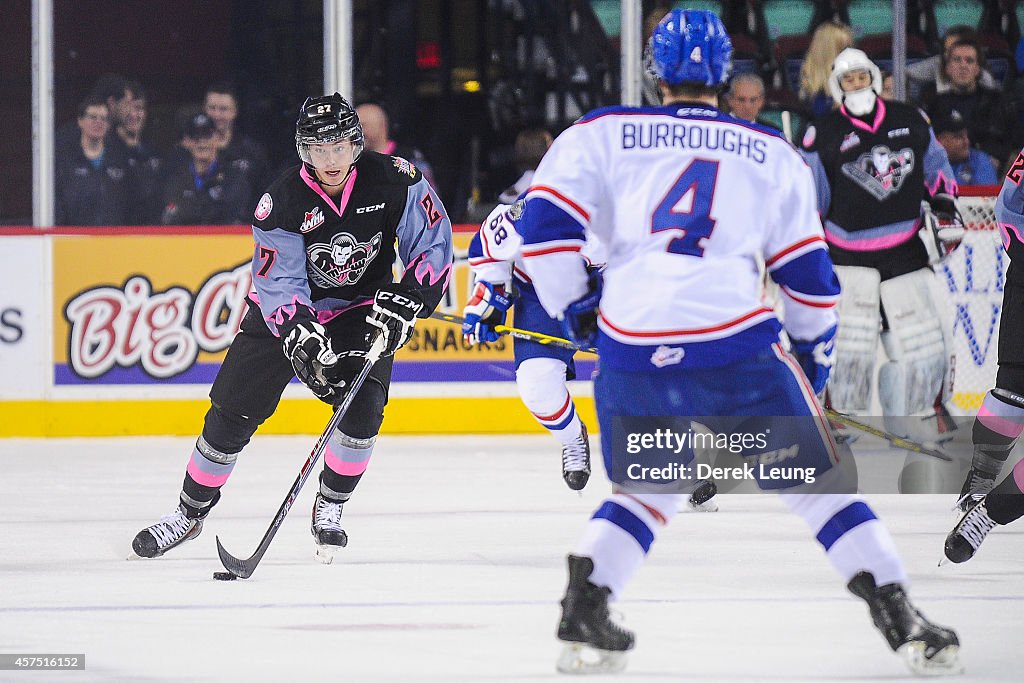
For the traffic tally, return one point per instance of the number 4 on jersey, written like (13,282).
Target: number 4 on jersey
(686,207)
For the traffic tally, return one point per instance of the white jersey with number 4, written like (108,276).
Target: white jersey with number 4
(687,202)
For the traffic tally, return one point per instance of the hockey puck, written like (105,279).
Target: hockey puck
(224,576)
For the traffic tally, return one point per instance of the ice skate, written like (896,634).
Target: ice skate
(171,531)
(326,528)
(576,461)
(927,649)
(976,487)
(594,643)
(968,534)
(702,498)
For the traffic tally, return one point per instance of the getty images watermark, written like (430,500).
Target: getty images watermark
(770,465)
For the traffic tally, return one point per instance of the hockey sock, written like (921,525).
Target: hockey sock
(999,422)
(345,460)
(621,532)
(852,536)
(1005,503)
(207,471)
(541,384)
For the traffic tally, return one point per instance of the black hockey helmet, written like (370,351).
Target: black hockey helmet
(326,119)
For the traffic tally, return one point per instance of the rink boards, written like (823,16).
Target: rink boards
(121,332)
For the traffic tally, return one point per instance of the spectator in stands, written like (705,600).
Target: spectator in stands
(970,166)
(206,191)
(530,146)
(929,72)
(145,165)
(244,154)
(888,86)
(746,98)
(991,116)
(828,40)
(377,138)
(91,177)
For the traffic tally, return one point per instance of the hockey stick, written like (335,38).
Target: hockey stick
(243,569)
(897,441)
(517,333)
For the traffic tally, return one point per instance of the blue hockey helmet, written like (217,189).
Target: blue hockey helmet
(690,46)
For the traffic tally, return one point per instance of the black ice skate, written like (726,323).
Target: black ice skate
(975,488)
(596,644)
(966,537)
(576,461)
(171,531)
(326,528)
(702,498)
(928,650)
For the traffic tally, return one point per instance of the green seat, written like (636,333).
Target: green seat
(787,17)
(609,13)
(870,16)
(953,12)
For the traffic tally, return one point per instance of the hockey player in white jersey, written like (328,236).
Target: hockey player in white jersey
(541,369)
(687,201)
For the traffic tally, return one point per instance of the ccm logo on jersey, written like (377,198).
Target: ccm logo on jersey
(897,132)
(666,355)
(370,209)
(314,219)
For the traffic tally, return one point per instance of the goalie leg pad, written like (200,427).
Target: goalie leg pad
(915,344)
(856,342)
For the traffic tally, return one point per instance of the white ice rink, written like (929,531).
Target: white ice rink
(453,572)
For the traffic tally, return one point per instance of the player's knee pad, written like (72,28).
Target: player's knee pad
(856,343)
(915,343)
(227,432)
(819,502)
(541,384)
(366,413)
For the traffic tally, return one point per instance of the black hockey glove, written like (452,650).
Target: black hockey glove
(394,313)
(308,348)
(579,322)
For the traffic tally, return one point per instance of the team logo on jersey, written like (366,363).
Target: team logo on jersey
(313,219)
(404,166)
(341,262)
(265,206)
(881,171)
(666,355)
(515,212)
(850,140)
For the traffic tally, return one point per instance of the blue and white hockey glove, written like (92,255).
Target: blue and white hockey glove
(816,358)
(579,322)
(395,308)
(308,348)
(486,309)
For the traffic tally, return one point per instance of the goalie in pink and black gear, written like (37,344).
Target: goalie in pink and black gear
(875,164)
(1000,420)
(326,234)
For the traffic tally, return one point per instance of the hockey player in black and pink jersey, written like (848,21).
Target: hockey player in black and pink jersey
(874,163)
(1000,420)
(326,235)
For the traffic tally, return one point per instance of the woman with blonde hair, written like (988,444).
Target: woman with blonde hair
(829,39)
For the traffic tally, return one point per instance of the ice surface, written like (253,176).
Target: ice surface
(453,572)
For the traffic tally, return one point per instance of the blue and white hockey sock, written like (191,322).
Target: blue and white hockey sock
(541,384)
(853,537)
(621,532)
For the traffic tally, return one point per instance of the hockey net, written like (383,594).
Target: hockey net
(973,277)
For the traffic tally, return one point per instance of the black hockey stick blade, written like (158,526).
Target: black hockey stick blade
(243,569)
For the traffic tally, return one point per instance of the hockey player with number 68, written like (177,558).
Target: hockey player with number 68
(688,201)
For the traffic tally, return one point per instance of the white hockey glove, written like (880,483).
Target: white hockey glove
(486,309)
(308,348)
(816,358)
(942,227)
(394,313)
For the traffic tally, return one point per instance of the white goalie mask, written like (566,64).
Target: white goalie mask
(857,102)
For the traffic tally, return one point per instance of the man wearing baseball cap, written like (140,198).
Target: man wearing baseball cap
(970,165)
